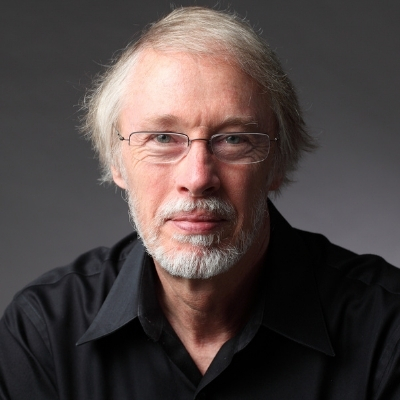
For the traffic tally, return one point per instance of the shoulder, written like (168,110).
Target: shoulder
(366,270)
(45,319)
(360,303)
(79,287)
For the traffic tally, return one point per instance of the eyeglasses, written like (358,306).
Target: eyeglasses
(231,148)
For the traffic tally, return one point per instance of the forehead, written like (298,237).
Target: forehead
(191,89)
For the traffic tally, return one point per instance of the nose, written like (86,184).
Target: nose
(196,173)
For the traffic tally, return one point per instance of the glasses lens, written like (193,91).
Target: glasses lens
(158,147)
(240,148)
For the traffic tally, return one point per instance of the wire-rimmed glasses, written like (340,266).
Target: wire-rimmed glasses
(231,148)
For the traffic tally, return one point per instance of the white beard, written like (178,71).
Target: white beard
(208,255)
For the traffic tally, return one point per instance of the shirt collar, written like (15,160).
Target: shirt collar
(292,306)
(123,303)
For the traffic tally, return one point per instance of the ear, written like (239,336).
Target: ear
(118,178)
(275,184)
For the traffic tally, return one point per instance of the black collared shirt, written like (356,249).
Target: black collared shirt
(326,325)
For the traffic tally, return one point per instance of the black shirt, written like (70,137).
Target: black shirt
(326,325)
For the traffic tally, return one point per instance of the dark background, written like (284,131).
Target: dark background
(343,56)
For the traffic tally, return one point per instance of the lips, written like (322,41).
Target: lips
(197,223)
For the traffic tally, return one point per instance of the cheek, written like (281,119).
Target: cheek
(243,184)
(149,185)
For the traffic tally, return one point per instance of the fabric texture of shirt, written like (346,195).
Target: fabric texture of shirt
(326,325)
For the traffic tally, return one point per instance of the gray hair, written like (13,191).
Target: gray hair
(208,32)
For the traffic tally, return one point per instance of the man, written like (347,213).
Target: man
(216,296)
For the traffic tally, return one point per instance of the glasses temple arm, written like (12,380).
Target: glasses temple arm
(120,137)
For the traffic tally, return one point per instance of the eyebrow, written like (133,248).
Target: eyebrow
(239,121)
(169,121)
(162,120)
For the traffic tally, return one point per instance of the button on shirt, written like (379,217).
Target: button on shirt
(325,325)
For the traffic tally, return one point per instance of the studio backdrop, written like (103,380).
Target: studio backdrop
(343,56)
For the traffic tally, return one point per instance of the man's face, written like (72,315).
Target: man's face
(197,211)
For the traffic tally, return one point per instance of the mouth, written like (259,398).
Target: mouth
(201,217)
(197,223)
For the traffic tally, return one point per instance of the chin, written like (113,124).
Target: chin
(200,256)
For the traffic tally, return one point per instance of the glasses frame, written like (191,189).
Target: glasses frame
(208,141)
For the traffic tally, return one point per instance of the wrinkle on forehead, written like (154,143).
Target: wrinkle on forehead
(169,121)
(153,70)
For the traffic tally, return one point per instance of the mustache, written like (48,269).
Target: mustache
(212,205)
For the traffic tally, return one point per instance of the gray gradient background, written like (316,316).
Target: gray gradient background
(343,57)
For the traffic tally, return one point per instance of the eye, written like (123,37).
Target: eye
(163,138)
(233,139)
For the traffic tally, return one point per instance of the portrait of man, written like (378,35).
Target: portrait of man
(214,294)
